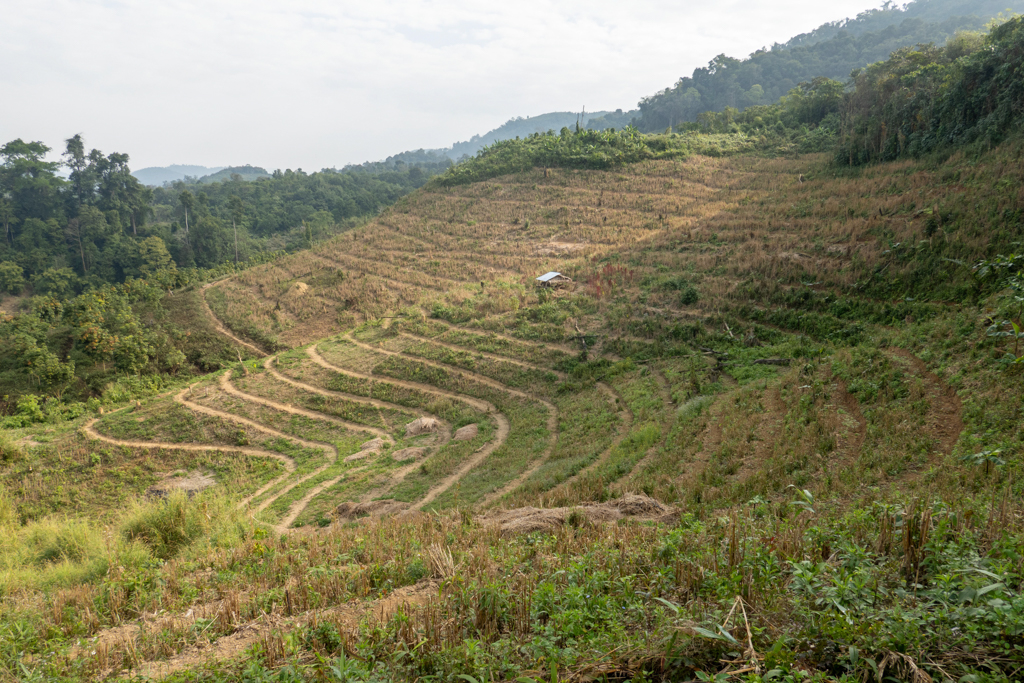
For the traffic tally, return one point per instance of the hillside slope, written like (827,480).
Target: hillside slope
(789,359)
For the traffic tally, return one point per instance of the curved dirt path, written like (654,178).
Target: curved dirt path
(475,403)
(626,424)
(297,507)
(288,463)
(476,377)
(666,428)
(433,287)
(499,438)
(626,416)
(218,325)
(627,421)
(501,435)
(225,385)
(945,412)
(268,364)
(564,348)
(552,419)
(399,475)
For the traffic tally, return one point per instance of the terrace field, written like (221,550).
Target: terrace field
(788,358)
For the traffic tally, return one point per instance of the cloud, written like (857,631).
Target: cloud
(313,83)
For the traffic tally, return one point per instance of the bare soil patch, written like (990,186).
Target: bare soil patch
(529,519)
(348,511)
(189,482)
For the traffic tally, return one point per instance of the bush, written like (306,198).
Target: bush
(169,526)
(52,541)
(12,277)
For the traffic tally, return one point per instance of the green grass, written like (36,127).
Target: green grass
(587,425)
(527,440)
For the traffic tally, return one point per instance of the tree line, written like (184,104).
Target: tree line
(833,51)
(100,225)
(928,98)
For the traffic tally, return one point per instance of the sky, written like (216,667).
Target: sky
(317,84)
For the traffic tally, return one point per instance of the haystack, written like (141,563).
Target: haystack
(467,433)
(408,454)
(374,445)
(423,425)
(529,519)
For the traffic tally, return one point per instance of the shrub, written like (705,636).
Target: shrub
(52,541)
(12,277)
(169,526)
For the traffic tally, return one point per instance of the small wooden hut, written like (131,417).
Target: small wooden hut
(553,280)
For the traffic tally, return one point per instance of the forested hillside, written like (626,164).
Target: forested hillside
(85,262)
(102,226)
(832,51)
(521,127)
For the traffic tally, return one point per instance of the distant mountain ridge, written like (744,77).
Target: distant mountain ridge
(246,172)
(158,175)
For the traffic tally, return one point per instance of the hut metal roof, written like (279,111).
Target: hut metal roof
(548,277)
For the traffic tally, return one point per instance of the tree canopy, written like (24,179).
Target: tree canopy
(832,51)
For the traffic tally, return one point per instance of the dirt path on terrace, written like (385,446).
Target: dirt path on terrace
(564,348)
(475,376)
(552,419)
(475,403)
(288,463)
(392,278)
(330,449)
(945,412)
(499,438)
(268,363)
(218,325)
(626,417)
(666,427)
(849,449)
(501,435)
(180,398)
(399,475)
(228,388)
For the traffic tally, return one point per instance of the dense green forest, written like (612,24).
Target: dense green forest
(246,172)
(922,99)
(288,210)
(85,261)
(158,175)
(102,226)
(929,98)
(832,51)
(521,127)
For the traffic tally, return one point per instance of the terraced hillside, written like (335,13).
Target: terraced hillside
(662,368)
(791,362)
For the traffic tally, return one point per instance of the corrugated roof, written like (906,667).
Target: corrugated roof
(548,277)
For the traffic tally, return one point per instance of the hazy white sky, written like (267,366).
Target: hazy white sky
(313,83)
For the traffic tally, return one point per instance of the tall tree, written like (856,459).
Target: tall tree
(237,214)
(81,177)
